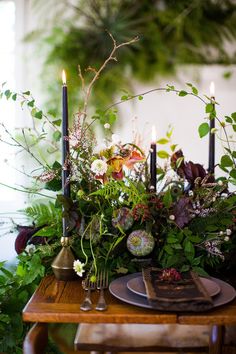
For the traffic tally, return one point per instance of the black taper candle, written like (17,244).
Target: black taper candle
(65,148)
(211,157)
(153,161)
(153,167)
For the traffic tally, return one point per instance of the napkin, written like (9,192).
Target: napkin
(187,294)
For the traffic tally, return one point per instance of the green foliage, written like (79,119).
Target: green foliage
(203,129)
(15,290)
(171,33)
(43,213)
(130,193)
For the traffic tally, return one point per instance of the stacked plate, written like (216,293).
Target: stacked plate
(131,289)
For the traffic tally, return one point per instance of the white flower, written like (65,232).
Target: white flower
(79,267)
(99,167)
(226,238)
(172,217)
(115,139)
(228,232)
(107,126)
(190,193)
(30,248)
(221,233)
(220,183)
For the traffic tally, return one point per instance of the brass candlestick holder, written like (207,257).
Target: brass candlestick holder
(63,263)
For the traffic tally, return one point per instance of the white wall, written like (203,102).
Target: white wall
(183,113)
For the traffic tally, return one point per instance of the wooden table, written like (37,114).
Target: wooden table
(57,301)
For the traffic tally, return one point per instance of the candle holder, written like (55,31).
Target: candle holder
(62,265)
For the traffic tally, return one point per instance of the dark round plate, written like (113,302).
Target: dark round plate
(136,285)
(118,288)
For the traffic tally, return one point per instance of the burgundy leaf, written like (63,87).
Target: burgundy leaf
(181,212)
(25,234)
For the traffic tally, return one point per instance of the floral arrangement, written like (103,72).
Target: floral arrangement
(114,217)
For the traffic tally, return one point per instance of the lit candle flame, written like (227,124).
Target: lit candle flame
(212,89)
(154,134)
(63,77)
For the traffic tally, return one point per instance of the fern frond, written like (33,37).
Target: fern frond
(44,214)
(128,191)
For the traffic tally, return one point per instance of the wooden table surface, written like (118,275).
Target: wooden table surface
(59,301)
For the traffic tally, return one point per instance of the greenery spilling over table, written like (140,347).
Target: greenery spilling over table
(114,216)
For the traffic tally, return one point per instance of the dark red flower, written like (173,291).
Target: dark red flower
(170,274)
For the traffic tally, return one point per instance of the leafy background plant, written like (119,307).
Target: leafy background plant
(171,33)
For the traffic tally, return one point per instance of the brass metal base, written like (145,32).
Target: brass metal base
(62,265)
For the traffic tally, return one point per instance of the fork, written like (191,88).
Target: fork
(102,283)
(87,303)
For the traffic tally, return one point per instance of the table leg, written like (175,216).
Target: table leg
(216,339)
(36,339)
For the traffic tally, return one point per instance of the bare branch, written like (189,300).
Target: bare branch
(102,67)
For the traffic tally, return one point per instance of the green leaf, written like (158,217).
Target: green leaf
(171,239)
(33,111)
(56,165)
(203,129)
(200,271)
(7,93)
(184,268)
(167,199)
(38,115)
(194,238)
(179,161)
(171,87)
(26,93)
(196,261)
(183,93)
(226,161)
(169,133)
(173,147)
(189,250)
(233,173)
(228,119)
(14,97)
(163,154)
(233,115)
(112,118)
(177,246)
(168,249)
(140,98)
(124,98)
(54,185)
(47,231)
(194,90)
(57,122)
(52,112)
(57,135)
(234,127)
(227,74)
(162,141)
(31,103)
(209,108)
